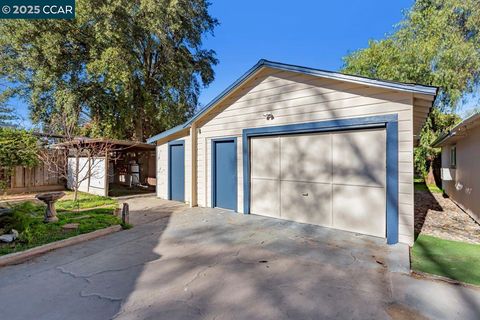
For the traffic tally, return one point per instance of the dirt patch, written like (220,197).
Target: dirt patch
(438,216)
(399,312)
(5,199)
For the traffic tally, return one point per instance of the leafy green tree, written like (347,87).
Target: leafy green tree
(17,148)
(6,116)
(124,69)
(438,43)
(437,122)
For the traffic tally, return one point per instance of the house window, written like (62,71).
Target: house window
(453,156)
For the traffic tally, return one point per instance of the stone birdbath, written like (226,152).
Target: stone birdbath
(50,199)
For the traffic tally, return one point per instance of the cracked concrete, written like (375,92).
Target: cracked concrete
(180,263)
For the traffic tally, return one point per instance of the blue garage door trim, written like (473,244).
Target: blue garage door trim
(176,172)
(234,194)
(390,122)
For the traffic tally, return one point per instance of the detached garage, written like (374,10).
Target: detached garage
(305,145)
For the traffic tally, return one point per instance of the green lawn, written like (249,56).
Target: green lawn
(84,201)
(27,218)
(420,184)
(452,259)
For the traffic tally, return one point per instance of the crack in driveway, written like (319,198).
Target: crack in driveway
(251,268)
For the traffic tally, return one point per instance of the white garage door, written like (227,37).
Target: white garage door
(329,179)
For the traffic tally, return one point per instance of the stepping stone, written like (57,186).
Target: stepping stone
(9,237)
(81,217)
(5,211)
(70,226)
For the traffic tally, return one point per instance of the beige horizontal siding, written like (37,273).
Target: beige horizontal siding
(311,105)
(162,169)
(296,98)
(354,111)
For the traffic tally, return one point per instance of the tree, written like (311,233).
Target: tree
(76,161)
(17,148)
(438,43)
(129,68)
(73,158)
(6,116)
(424,156)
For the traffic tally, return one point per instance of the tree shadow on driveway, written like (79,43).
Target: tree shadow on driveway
(218,264)
(85,281)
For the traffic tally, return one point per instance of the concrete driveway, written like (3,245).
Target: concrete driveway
(212,264)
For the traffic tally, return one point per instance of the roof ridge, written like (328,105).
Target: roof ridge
(406,87)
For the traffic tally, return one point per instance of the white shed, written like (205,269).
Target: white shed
(302,144)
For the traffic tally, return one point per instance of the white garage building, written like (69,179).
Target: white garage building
(305,145)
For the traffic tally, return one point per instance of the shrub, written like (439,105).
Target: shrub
(17,148)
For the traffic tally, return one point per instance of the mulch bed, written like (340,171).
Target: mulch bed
(438,216)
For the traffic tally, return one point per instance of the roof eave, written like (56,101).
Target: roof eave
(262,63)
(167,133)
(439,141)
(413,88)
(228,90)
(472,120)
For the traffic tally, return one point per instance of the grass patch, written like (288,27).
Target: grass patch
(434,189)
(126,226)
(27,219)
(418,180)
(84,201)
(422,186)
(452,259)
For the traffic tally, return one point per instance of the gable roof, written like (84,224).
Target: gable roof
(458,131)
(398,86)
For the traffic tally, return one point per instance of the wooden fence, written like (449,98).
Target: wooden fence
(36,179)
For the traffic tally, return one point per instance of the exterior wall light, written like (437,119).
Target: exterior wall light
(268,116)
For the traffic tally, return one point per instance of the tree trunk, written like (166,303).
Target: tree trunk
(138,121)
(76,184)
(139,111)
(430,178)
(437,168)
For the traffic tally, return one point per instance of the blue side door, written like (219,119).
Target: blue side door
(224,171)
(176,173)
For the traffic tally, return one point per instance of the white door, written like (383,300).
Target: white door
(329,179)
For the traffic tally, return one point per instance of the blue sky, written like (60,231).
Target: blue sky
(310,33)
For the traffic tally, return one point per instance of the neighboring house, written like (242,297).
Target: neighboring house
(302,144)
(461,164)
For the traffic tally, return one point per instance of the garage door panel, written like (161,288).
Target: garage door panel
(265,198)
(306,202)
(332,179)
(306,158)
(359,158)
(359,209)
(265,158)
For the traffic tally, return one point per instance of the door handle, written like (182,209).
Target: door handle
(305,194)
